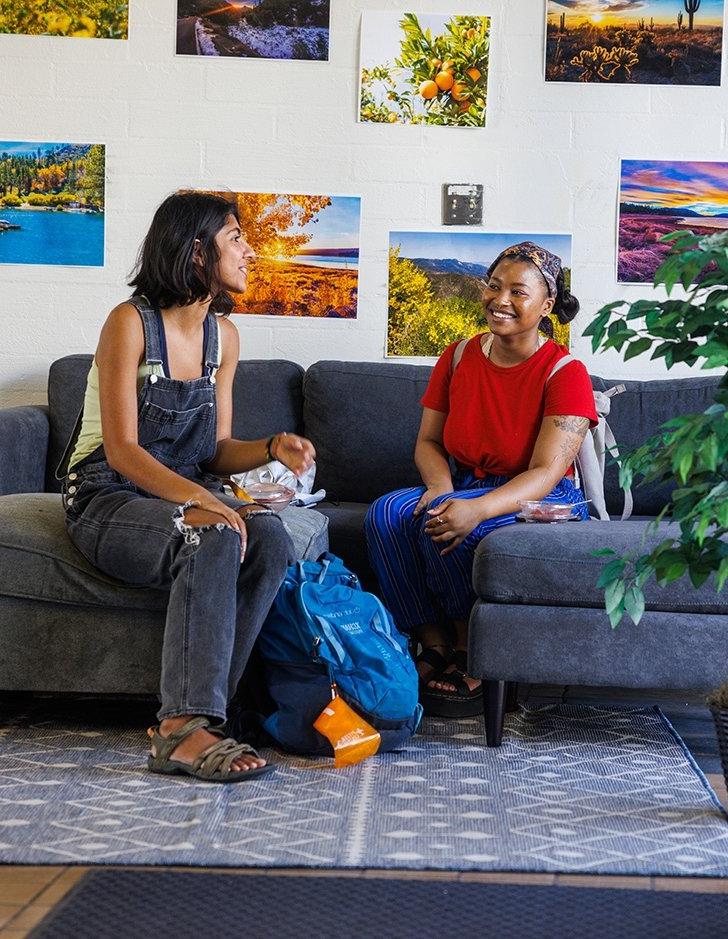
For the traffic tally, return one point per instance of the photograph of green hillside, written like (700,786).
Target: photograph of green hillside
(52,203)
(80,19)
(437,283)
(647,42)
(254,29)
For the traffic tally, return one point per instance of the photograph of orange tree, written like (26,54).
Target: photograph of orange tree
(424,69)
(437,283)
(81,19)
(647,42)
(307,254)
(659,197)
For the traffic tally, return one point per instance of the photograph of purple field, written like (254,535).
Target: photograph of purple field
(657,197)
(640,42)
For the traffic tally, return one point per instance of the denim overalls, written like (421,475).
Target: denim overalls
(216,605)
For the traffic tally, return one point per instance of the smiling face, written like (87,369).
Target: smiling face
(235,255)
(516,298)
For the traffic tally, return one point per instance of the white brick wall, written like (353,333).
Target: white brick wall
(549,159)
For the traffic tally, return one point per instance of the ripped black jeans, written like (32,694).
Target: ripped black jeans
(216,604)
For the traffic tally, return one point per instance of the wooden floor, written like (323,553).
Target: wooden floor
(28,894)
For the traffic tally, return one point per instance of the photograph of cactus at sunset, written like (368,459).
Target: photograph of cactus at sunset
(658,197)
(641,42)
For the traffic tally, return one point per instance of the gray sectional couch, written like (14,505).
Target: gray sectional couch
(538,616)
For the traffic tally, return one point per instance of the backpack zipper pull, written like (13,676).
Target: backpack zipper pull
(314,650)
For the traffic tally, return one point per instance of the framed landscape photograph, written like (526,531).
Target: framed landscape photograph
(642,42)
(437,283)
(52,199)
(418,68)
(254,29)
(307,254)
(80,19)
(657,197)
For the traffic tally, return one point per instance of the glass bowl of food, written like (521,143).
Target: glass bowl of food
(271,495)
(539,511)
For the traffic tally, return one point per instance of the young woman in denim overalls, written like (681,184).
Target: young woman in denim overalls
(141,501)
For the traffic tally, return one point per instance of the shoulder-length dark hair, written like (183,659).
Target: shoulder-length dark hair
(165,272)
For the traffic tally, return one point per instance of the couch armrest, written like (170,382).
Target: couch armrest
(23,448)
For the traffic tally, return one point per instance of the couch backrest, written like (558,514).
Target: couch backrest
(267,397)
(363,419)
(636,415)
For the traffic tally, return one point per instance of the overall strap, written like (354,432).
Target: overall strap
(162,338)
(213,346)
(152,338)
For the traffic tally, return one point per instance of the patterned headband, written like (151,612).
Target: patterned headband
(549,264)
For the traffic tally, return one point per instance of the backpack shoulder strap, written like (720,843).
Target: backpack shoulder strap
(458,354)
(564,360)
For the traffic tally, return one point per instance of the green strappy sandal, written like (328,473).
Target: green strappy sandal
(212,765)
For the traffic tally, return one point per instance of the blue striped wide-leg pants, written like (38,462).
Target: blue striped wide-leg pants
(418,585)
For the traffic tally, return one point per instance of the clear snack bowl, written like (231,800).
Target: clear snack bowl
(539,511)
(272,495)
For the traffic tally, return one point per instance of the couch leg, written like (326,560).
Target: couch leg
(511,696)
(494,699)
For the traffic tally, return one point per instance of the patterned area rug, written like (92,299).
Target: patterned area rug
(577,789)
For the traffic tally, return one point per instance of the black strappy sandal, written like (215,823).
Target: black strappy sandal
(463,702)
(437,662)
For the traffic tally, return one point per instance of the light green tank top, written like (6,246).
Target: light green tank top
(90,437)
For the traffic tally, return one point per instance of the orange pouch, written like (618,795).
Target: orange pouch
(352,738)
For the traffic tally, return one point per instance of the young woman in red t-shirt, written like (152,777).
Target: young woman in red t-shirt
(510,435)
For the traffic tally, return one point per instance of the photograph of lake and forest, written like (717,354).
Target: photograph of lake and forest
(52,203)
(259,29)
(437,285)
(424,69)
(647,42)
(80,19)
(659,197)
(307,254)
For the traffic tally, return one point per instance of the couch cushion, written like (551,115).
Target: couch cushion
(363,419)
(636,415)
(551,565)
(346,537)
(267,397)
(39,562)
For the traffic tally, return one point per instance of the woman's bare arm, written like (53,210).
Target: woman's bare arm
(556,448)
(431,458)
(119,353)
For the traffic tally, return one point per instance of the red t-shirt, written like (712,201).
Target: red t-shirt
(494,413)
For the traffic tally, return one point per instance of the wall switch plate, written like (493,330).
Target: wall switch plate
(462,204)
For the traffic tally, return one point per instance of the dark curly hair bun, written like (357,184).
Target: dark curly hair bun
(566,306)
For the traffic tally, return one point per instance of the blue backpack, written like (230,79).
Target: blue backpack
(324,628)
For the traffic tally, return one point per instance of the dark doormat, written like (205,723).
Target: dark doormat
(120,904)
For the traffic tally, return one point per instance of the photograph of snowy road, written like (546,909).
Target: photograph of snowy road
(259,29)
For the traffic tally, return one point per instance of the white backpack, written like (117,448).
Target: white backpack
(591,458)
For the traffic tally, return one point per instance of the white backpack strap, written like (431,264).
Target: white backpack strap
(458,354)
(610,444)
(559,365)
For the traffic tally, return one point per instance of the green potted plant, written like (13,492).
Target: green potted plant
(691,451)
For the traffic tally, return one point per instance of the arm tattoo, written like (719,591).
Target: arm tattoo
(574,430)
(573,425)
